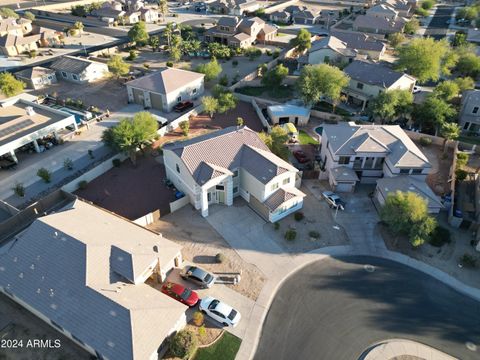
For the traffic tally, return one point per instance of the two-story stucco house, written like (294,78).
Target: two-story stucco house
(217,167)
(351,153)
(79,70)
(367,80)
(165,88)
(470,112)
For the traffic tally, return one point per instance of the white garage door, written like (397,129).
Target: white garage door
(344,187)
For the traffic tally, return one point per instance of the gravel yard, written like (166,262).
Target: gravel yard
(200,245)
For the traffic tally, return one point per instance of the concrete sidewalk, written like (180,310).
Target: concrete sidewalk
(397,348)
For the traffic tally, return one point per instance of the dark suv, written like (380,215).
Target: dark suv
(198,276)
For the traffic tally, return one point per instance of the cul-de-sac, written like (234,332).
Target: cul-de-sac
(240,179)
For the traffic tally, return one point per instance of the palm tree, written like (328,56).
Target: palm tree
(162,8)
(449,131)
(154,42)
(168,32)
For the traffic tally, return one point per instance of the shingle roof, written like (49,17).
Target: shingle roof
(373,74)
(34,72)
(60,266)
(350,139)
(228,21)
(359,41)
(165,80)
(229,149)
(333,43)
(381,9)
(71,64)
(378,23)
(344,173)
(282,195)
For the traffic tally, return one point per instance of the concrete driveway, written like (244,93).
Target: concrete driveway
(244,231)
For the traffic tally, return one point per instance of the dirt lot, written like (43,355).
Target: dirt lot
(105,94)
(203,123)
(446,258)
(200,245)
(16,323)
(146,191)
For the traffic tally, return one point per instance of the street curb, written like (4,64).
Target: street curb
(252,334)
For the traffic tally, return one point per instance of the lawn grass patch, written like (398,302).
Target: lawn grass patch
(280,92)
(251,90)
(224,349)
(306,139)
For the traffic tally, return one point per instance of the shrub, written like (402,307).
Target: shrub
(68,164)
(314,234)
(44,174)
(169,64)
(460,174)
(276,54)
(223,80)
(82,185)
(427,4)
(425,141)
(276,226)
(146,66)
(468,261)
(32,54)
(299,216)
(185,127)
(234,63)
(116,162)
(183,344)
(220,258)
(132,55)
(202,331)
(440,237)
(268,52)
(240,121)
(462,159)
(19,189)
(198,318)
(290,235)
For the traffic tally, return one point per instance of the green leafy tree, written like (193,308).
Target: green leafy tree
(468,13)
(274,77)
(447,90)
(210,105)
(412,26)
(9,86)
(183,344)
(219,51)
(460,39)
(469,65)
(426,59)
(396,39)
(117,66)
(185,127)
(390,105)
(168,33)
(29,15)
(131,134)
(427,4)
(465,83)
(138,33)
(175,49)
(8,13)
(316,81)
(163,8)
(191,46)
(406,213)
(211,69)
(226,101)
(303,40)
(154,42)
(276,141)
(449,132)
(434,112)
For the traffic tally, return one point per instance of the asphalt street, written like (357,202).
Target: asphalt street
(438,26)
(338,308)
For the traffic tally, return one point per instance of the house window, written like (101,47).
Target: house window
(75,77)
(274,186)
(416,171)
(178,168)
(344,160)
(235,173)
(286,181)
(475,110)
(64,74)
(219,187)
(179,99)
(359,86)
(50,77)
(194,91)
(235,189)
(404,171)
(465,127)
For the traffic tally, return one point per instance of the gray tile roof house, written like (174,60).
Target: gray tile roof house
(82,269)
(378,25)
(359,41)
(373,73)
(229,159)
(79,69)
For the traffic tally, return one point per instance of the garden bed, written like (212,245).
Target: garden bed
(225,348)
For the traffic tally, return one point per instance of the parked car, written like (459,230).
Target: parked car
(182,106)
(301,157)
(334,200)
(198,276)
(220,311)
(180,293)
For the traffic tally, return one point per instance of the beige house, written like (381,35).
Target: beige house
(329,50)
(79,70)
(233,162)
(367,80)
(37,77)
(362,44)
(378,25)
(234,7)
(236,32)
(383,11)
(165,88)
(351,153)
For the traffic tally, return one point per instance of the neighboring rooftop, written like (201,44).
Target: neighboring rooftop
(373,74)
(71,64)
(287,109)
(360,41)
(66,266)
(348,139)
(34,72)
(378,23)
(166,80)
(208,156)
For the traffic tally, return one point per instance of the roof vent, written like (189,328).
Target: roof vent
(32,266)
(54,306)
(29,110)
(20,275)
(113,313)
(411,188)
(386,189)
(38,291)
(2,268)
(111,344)
(155,248)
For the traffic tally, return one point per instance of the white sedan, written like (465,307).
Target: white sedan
(220,311)
(416,89)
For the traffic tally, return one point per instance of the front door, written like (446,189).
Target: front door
(221,197)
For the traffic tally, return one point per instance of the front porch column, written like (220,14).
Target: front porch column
(229,191)
(35,145)
(204,203)
(14,157)
(364,103)
(374,162)
(363,162)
